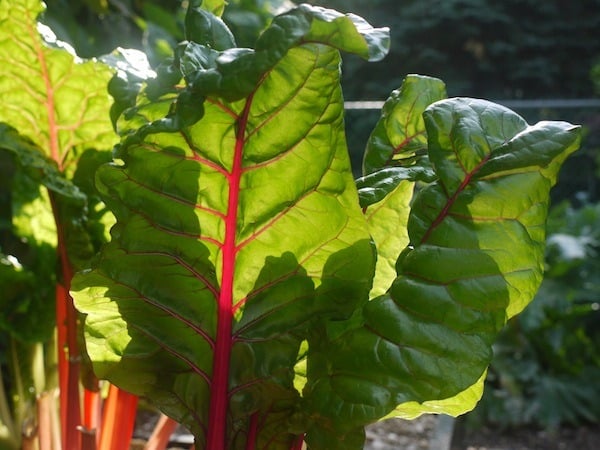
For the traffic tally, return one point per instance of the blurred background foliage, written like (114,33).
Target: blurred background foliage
(547,361)
(546,366)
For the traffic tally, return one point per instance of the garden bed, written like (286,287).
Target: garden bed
(430,433)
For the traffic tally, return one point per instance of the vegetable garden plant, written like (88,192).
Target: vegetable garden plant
(251,288)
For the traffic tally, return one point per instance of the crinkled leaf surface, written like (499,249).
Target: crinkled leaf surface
(238,237)
(210,68)
(400,133)
(475,258)
(132,70)
(391,167)
(376,186)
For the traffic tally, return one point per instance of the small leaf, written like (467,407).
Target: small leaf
(400,133)
(27,257)
(387,224)
(204,27)
(37,165)
(376,186)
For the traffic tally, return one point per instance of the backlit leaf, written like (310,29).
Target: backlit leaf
(54,99)
(233,239)
(475,258)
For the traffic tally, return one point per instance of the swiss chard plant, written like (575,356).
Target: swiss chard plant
(259,295)
(252,289)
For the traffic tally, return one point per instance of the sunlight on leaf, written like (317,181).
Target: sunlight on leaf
(49,95)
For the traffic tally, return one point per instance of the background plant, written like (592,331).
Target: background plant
(546,362)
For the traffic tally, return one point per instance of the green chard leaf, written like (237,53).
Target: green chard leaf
(395,159)
(54,111)
(238,234)
(48,94)
(211,65)
(400,134)
(474,259)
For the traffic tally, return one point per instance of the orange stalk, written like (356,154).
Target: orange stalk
(118,420)
(48,425)
(162,433)
(92,410)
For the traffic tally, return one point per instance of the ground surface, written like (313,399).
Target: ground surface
(401,434)
(426,433)
(580,438)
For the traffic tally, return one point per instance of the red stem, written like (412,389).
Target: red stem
(66,315)
(68,319)
(252,432)
(217,429)
(92,406)
(63,363)
(297,445)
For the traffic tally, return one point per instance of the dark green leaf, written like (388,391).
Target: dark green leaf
(400,133)
(464,272)
(205,28)
(377,185)
(37,165)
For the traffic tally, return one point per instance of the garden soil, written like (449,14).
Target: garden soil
(420,434)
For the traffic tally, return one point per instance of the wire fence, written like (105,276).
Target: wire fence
(556,103)
(581,172)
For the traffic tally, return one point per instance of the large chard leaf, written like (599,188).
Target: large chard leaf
(53,116)
(238,233)
(475,258)
(50,96)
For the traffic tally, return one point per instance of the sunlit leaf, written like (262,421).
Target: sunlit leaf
(233,236)
(475,258)
(50,96)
